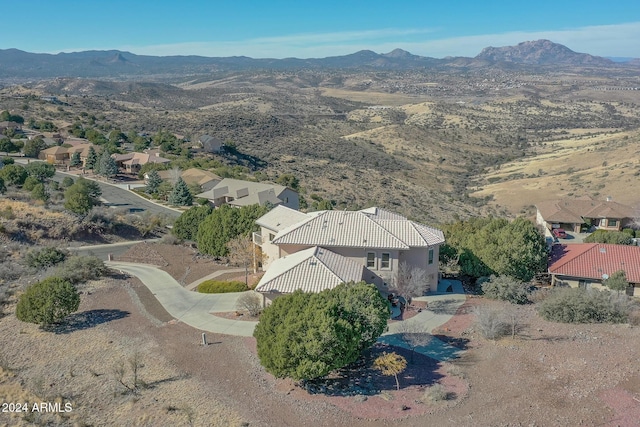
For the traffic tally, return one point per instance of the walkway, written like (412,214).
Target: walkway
(192,308)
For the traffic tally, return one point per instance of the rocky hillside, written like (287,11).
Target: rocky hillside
(541,52)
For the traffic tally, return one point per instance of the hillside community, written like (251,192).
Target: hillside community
(198,281)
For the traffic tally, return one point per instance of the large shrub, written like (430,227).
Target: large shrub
(577,305)
(77,269)
(45,257)
(306,335)
(48,302)
(506,288)
(220,287)
(186,225)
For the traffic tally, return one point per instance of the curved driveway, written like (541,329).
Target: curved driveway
(195,309)
(192,308)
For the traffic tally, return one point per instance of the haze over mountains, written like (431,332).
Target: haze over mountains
(19,65)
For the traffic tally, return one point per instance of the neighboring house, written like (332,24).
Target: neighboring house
(238,193)
(312,270)
(374,238)
(210,144)
(9,125)
(205,179)
(586,265)
(83,149)
(132,162)
(54,155)
(574,214)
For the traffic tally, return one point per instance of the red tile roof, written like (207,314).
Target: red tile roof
(592,260)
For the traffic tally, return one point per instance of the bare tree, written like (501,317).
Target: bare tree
(174,175)
(135,365)
(513,316)
(414,335)
(410,282)
(242,253)
(251,303)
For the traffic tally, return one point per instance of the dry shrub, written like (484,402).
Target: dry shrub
(435,393)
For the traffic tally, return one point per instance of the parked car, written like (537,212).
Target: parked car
(559,233)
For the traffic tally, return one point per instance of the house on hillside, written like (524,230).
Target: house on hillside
(375,239)
(210,144)
(54,155)
(587,265)
(131,163)
(576,214)
(205,179)
(238,193)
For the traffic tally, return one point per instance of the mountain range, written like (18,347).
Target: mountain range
(19,65)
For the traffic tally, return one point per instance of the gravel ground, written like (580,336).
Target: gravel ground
(551,374)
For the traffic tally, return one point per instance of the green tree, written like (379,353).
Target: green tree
(92,158)
(39,192)
(33,147)
(29,183)
(13,174)
(41,170)
(67,182)
(578,305)
(153,181)
(610,237)
(180,195)
(47,302)
(108,167)
(3,188)
(186,225)
(75,160)
(617,281)
(288,180)
(224,224)
(7,146)
(391,364)
(82,196)
(6,116)
(485,246)
(308,335)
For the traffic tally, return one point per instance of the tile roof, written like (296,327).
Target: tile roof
(311,270)
(592,260)
(280,218)
(369,228)
(237,189)
(574,210)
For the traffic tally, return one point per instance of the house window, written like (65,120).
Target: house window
(385,261)
(612,223)
(371,260)
(430,256)
(271,236)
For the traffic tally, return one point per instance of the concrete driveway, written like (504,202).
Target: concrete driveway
(195,309)
(192,308)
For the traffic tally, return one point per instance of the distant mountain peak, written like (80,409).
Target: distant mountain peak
(539,52)
(398,53)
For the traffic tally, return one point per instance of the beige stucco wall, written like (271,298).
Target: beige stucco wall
(419,257)
(270,252)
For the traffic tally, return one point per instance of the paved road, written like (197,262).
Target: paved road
(121,197)
(103,251)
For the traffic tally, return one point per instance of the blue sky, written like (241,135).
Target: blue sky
(303,29)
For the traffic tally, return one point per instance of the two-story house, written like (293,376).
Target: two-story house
(373,238)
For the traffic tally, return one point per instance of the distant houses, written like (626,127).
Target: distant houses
(235,192)
(193,176)
(210,144)
(131,163)
(584,212)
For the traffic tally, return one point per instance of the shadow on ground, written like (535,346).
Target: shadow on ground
(88,319)
(360,378)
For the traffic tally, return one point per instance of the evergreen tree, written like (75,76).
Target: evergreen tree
(75,160)
(153,181)
(39,192)
(48,301)
(108,167)
(307,335)
(180,195)
(92,158)
(186,225)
